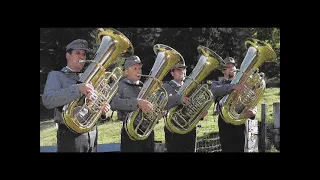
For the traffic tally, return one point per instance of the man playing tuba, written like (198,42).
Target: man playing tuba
(126,101)
(178,142)
(62,87)
(232,137)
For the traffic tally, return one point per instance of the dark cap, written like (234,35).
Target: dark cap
(78,44)
(179,66)
(132,61)
(229,60)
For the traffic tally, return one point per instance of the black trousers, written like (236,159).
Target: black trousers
(232,137)
(128,145)
(180,142)
(68,141)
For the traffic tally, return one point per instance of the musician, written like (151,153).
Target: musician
(232,137)
(61,88)
(126,101)
(178,142)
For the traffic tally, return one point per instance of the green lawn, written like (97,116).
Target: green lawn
(109,132)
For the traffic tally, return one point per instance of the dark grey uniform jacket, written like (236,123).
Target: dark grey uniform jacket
(60,90)
(221,88)
(125,101)
(172,88)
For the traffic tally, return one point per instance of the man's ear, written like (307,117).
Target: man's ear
(67,55)
(171,72)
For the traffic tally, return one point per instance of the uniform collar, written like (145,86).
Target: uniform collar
(174,85)
(175,82)
(67,67)
(130,82)
(69,71)
(225,80)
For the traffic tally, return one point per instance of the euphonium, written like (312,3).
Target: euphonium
(82,114)
(235,105)
(183,118)
(139,124)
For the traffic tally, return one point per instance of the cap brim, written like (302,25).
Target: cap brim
(125,67)
(183,67)
(78,49)
(83,49)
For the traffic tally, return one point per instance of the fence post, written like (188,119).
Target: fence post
(276,115)
(276,123)
(263,128)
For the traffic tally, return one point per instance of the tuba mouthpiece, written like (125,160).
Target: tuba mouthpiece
(86,61)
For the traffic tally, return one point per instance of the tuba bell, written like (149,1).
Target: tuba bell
(183,118)
(139,124)
(81,115)
(235,105)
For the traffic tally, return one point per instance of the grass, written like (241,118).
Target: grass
(270,96)
(48,133)
(109,132)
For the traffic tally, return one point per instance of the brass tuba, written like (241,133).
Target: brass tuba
(139,124)
(82,114)
(235,105)
(183,118)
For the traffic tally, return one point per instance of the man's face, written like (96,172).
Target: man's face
(74,58)
(133,72)
(179,74)
(230,71)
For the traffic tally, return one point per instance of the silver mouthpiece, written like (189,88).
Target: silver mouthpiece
(86,61)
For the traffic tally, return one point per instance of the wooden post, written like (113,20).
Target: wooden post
(276,125)
(263,128)
(276,115)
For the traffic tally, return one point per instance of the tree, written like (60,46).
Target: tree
(272,37)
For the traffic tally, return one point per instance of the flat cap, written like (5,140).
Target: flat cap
(132,61)
(229,60)
(179,66)
(80,44)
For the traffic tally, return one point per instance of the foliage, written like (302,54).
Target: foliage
(224,41)
(272,37)
(52,45)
